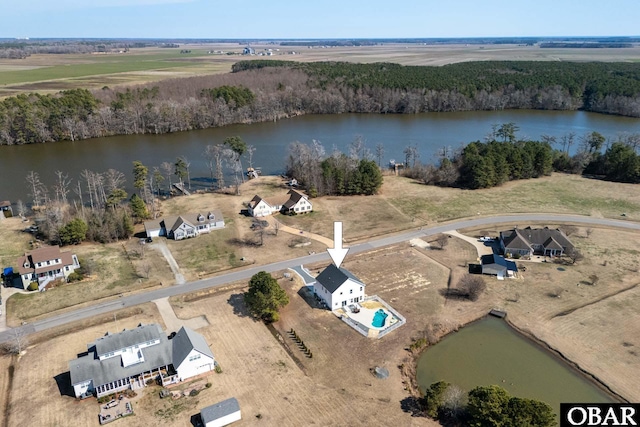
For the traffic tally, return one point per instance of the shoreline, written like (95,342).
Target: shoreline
(528,335)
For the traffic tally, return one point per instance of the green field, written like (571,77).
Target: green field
(99,65)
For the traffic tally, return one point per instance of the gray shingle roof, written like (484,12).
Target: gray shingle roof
(526,237)
(219,410)
(128,338)
(105,371)
(167,352)
(333,277)
(185,341)
(498,261)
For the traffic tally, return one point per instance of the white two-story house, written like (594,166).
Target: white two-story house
(185,226)
(338,287)
(45,264)
(128,359)
(292,202)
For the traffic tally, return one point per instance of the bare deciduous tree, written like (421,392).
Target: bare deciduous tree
(569,229)
(442,240)
(21,209)
(472,285)
(594,279)
(379,153)
(575,255)
(454,401)
(61,187)
(214,155)
(18,341)
(37,190)
(167,170)
(589,232)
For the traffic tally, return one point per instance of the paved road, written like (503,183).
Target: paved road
(132,300)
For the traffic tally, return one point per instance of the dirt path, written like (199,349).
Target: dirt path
(272,222)
(164,250)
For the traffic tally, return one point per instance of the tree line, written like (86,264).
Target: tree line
(484,406)
(266,90)
(504,157)
(97,207)
(337,174)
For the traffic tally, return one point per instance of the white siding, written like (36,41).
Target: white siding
(82,388)
(348,292)
(153,233)
(226,420)
(189,368)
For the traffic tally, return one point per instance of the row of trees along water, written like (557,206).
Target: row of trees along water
(97,207)
(267,90)
(504,157)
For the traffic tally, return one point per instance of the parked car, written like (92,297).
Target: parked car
(486,239)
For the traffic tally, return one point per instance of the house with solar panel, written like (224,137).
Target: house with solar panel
(128,359)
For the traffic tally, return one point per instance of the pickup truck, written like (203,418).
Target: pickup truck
(485,239)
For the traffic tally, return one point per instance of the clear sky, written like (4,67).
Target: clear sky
(317,19)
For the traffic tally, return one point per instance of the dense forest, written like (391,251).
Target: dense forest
(266,90)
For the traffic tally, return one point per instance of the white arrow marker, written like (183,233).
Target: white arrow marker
(337,253)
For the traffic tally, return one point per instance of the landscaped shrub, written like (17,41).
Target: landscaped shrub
(33,286)
(218,369)
(194,392)
(75,276)
(208,385)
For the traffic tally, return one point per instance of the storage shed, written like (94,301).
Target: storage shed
(221,414)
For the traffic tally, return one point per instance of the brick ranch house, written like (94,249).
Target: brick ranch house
(292,202)
(128,359)
(526,242)
(45,265)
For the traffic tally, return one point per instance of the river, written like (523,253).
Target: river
(430,132)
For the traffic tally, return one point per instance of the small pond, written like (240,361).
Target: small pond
(490,352)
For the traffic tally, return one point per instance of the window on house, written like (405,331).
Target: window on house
(360,288)
(194,357)
(350,291)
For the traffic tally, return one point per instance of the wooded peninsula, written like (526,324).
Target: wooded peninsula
(268,90)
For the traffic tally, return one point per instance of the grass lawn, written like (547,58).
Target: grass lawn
(111,273)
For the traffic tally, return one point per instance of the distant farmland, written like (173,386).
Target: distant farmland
(49,72)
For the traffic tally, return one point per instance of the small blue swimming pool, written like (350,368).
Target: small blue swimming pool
(379,318)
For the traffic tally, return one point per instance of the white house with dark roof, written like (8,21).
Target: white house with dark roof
(221,414)
(338,287)
(126,360)
(185,226)
(294,201)
(46,264)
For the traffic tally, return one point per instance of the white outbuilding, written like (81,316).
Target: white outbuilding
(221,414)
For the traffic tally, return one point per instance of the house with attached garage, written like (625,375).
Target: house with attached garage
(128,359)
(525,242)
(185,226)
(292,202)
(338,287)
(46,264)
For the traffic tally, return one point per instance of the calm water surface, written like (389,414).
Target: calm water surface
(430,132)
(489,352)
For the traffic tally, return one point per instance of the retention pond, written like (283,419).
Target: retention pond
(490,352)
